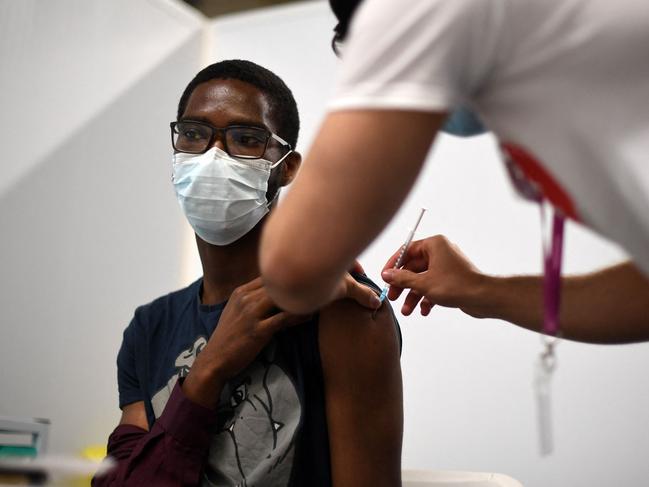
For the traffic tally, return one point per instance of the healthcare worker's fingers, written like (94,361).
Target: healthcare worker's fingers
(438,271)
(415,259)
(416,265)
(394,292)
(425,306)
(413,251)
(400,279)
(392,260)
(410,303)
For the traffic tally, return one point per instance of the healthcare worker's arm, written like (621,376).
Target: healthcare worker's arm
(359,170)
(607,306)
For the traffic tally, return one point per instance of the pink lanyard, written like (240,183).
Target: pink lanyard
(552,277)
(552,253)
(552,240)
(552,243)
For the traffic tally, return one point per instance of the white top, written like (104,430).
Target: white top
(567,81)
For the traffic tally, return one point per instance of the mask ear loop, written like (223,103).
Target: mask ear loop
(274,199)
(279,190)
(273,166)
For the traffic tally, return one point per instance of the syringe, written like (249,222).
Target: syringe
(404,247)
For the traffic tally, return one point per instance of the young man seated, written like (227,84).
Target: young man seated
(219,387)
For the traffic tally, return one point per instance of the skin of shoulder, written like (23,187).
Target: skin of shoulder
(364,397)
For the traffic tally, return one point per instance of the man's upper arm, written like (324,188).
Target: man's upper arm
(364,399)
(128,383)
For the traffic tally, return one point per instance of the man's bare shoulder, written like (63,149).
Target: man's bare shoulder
(350,333)
(364,397)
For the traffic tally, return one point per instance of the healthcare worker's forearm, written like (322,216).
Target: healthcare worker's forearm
(608,306)
(359,170)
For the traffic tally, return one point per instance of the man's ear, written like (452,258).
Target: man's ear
(290,167)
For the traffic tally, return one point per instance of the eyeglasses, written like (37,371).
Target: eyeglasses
(240,141)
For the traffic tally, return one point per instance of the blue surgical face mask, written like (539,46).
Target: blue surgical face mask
(463,123)
(222,197)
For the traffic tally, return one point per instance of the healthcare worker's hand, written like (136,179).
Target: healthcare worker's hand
(437,273)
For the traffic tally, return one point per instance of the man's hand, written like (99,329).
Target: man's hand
(352,289)
(436,272)
(247,324)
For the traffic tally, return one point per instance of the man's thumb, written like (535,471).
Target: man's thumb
(364,295)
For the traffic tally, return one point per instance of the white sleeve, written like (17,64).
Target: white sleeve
(427,55)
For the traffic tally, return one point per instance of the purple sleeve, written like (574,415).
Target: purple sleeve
(172,454)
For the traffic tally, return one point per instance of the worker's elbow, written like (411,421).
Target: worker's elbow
(288,284)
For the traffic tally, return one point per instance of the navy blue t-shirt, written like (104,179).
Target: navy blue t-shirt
(272,427)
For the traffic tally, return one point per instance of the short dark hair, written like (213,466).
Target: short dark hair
(282,104)
(344,11)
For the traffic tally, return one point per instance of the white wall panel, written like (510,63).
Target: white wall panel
(90,225)
(61,62)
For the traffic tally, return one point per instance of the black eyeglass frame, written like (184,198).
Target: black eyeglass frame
(222,131)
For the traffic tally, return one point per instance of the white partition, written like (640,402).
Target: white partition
(90,226)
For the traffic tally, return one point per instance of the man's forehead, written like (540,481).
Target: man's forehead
(229,98)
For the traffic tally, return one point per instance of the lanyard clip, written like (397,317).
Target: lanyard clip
(548,358)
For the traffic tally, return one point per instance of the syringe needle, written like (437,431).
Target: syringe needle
(404,248)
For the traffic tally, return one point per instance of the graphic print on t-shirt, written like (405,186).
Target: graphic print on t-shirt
(182,364)
(259,414)
(258,419)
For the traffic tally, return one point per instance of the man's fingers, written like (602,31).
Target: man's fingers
(282,320)
(264,306)
(363,295)
(357,268)
(256,283)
